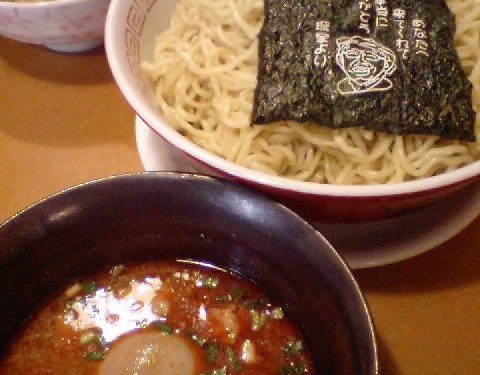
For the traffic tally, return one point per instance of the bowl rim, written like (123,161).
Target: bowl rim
(39,4)
(121,75)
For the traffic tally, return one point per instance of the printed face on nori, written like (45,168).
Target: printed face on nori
(386,65)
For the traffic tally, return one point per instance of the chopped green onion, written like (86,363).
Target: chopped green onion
(165,328)
(257,320)
(89,287)
(142,323)
(292,368)
(292,347)
(89,336)
(200,341)
(95,355)
(236,292)
(277,313)
(117,270)
(298,367)
(233,359)
(224,298)
(207,281)
(256,303)
(217,371)
(70,302)
(211,351)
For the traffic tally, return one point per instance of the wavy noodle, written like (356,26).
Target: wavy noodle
(205,70)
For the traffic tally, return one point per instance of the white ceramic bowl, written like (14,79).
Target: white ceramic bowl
(130,31)
(61,25)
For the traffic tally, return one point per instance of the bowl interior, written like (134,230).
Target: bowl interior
(167,215)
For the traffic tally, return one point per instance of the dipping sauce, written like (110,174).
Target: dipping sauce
(175,318)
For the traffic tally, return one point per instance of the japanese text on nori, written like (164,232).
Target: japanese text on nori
(387,65)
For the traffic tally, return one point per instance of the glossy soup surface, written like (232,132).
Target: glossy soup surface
(175,318)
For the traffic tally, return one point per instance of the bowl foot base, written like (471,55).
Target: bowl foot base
(76,46)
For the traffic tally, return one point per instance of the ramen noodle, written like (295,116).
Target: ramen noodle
(205,69)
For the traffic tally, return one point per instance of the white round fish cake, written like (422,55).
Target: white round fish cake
(149,353)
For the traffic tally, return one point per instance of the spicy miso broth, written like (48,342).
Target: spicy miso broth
(174,318)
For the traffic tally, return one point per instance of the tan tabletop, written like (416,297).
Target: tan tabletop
(63,121)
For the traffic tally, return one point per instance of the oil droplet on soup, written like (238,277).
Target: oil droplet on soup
(175,318)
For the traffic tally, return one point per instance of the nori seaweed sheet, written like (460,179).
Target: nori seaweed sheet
(386,65)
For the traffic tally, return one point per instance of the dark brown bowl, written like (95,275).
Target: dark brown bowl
(168,215)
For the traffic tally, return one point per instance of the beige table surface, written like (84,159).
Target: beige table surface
(63,121)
